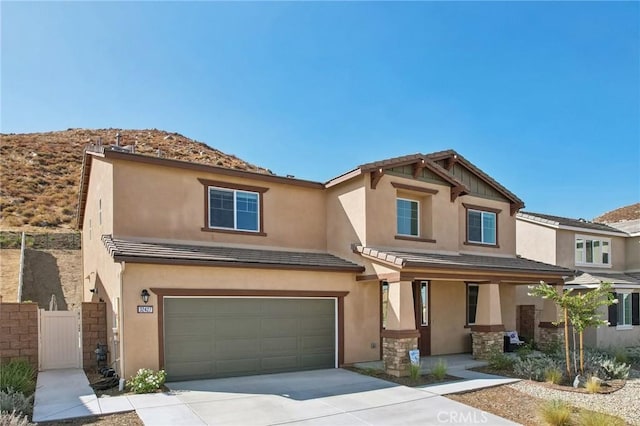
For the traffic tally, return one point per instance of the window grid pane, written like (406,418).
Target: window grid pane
(592,251)
(474,219)
(221,208)
(246,211)
(488,228)
(407,217)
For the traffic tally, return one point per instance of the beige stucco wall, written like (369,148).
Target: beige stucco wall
(448,318)
(168,203)
(632,249)
(438,216)
(100,272)
(506,226)
(536,242)
(346,224)
(361,306)
(508,305)
(612,337)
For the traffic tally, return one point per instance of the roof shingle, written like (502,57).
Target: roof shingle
(565,221)
(403,258)
(171,253)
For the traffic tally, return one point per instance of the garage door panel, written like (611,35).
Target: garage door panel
(322,324)
(231,327)
(236,348)
(312,343)
(280,363)
(222,337)
(237,366)
(277,345)
(274,327)
(312,361)
(193,351)
(184,325)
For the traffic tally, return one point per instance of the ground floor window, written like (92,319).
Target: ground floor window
(472,303)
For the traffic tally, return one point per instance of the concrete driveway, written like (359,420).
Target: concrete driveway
(320,397)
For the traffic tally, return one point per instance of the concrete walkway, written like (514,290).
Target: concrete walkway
(331,397)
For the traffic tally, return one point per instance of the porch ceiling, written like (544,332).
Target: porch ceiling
(464,266)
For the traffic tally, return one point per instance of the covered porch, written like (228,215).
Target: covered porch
(446,304)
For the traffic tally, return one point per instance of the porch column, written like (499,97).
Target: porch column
(550,334)
(400,335)
(488,332)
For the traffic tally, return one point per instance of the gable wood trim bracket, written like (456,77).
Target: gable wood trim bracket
(456,191)
(417,168)
(451,161)
(398,185)
(376,175)
(515,207)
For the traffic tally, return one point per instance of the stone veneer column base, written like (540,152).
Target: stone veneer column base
(550,335)
(486,340)
(396,345)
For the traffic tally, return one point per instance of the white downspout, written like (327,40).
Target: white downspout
(121,322)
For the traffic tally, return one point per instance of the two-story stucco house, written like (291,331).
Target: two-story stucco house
(598,253)
(213,272)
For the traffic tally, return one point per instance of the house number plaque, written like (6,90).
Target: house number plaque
(145,309)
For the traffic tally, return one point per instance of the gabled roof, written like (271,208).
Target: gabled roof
(586,280)
(430,162)
(133,251)
(453,157)
(406,259)
(567,223)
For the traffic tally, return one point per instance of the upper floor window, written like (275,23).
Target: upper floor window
(482,225)
(414,221)
(408,212)
(231,207)
(592,251)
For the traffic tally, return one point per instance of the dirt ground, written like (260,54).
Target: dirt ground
(118,419)
(9,271)
(57,272)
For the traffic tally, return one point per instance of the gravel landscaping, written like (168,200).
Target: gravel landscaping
(624,403)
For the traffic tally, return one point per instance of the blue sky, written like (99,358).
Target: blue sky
(543,96)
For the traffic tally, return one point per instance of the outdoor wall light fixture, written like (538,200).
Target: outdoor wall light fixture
(145,296)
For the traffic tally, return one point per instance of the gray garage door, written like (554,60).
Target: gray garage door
(222,337)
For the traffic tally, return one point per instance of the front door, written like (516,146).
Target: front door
(423,315)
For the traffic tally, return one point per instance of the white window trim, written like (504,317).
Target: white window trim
(584,262)
(469,285)
(482,212)
(418,218)
(620,304)
(235,211)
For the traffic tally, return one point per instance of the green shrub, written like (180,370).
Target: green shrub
(12,401)
(439,369)
(14,419)
(147,381)
(534,367)
(500,361)
(593,418)
(553,375)
(556,413)
(414,371)
(603,364)
(523,351)
(621,356)
(18,376)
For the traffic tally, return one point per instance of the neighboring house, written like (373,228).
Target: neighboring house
(250,273)
(598,252)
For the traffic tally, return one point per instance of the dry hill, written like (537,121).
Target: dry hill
(40,172)
(630,212)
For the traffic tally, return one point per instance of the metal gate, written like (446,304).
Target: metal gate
(59,340)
